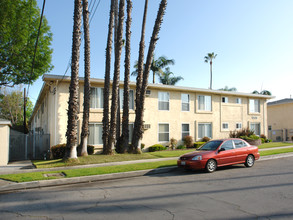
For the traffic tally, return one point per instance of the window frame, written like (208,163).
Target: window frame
(185,131)
(95,136)
(225,99)
(255,123)
(188,103)
(238,101)
(252,104)
(96,104)
(206,107)
(225,123)
(205,123)
(162,123)
(131,99)
(238,123)
(162,101)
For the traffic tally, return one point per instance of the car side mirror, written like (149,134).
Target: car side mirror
(222,149)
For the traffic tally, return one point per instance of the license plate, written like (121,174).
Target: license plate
(183,163)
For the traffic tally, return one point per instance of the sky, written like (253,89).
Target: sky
(253,41)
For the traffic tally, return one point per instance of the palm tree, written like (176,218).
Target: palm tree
(115,85)
(210,57)
(125,117)
(167,77)
(138,124)
(86,99)
(263,92)
(232,89)
(107,81)
(71,134)
(157,66)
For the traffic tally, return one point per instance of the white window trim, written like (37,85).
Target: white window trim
(96,123)
(240,123)
(198,104)
(163,123)
(240,101)
(250,108)
(163,101)
(102,89)
(122,91)
(198,123)
(188,128)
(260,132)
(226,99)
(185,102)
(225,129)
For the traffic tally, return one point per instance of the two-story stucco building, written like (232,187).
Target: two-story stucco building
(170,111)
(280,120)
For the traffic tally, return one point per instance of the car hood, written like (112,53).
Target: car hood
(196,153)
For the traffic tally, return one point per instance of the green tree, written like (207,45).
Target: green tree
(263,92)
(232,89)
(168,78)
(71,134)
(11,106)
(209,58)
(19,23)
(156,66)
(87,70)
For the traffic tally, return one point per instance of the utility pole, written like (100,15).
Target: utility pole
(24,111)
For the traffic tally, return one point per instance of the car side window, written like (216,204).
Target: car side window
(228,145)
(239,143)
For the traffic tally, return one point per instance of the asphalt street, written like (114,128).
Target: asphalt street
(262,192)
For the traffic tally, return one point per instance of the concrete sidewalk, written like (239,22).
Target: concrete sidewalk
(27,167)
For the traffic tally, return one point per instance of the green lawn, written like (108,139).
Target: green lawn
(274,144)
(277,151)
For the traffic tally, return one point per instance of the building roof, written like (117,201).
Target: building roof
(280,102)
(50,77)
(5,122)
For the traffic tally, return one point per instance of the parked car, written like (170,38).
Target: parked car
(218,153)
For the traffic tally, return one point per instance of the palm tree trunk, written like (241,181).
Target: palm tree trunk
(72,113)
(125,117)
(138,125)
(211,67)
(86,99)
(115,85)
(107,81)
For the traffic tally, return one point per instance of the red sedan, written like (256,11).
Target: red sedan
(217,153)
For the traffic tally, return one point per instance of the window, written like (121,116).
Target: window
(205,130)
(97,98)
(185,130)
(225,126)
(238,125)
(131,99)
(255,127)
(95,134)
(238,100)
(254,106)
(225,99)
(163,132)
(204,103)
(228,145)
(185,102)
(239,143)
(163,100)
(270,128)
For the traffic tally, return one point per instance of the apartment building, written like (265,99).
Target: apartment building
(280,120)
(170,111)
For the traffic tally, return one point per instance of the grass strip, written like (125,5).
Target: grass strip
(27,177)
(274,144)
(276,151)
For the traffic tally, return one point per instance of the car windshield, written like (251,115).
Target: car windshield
(211,145)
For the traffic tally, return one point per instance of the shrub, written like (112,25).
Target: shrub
(205,139)
(58,151)
(188,141)
(156,147)
(198,144)
(142,146)
(173,143)
(251,137)
(263,140)
(263,136)
(269,140)
(180,147)
(242,132)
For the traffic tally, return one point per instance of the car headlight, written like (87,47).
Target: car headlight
(198,157)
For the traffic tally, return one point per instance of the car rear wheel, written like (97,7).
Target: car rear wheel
(249,161)
(211,166)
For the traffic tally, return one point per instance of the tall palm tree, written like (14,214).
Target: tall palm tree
(138,124)
(156,66)
(125,118)
(115,85)
(106,111)
(209,58)
(71,134)
(168,78)
(87,70)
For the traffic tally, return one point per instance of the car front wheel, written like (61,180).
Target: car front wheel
(211,166)
(249,161)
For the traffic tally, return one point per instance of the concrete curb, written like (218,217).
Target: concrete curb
(95,178)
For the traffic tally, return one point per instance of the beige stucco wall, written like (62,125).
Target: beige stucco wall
(4,146)
(232,113)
